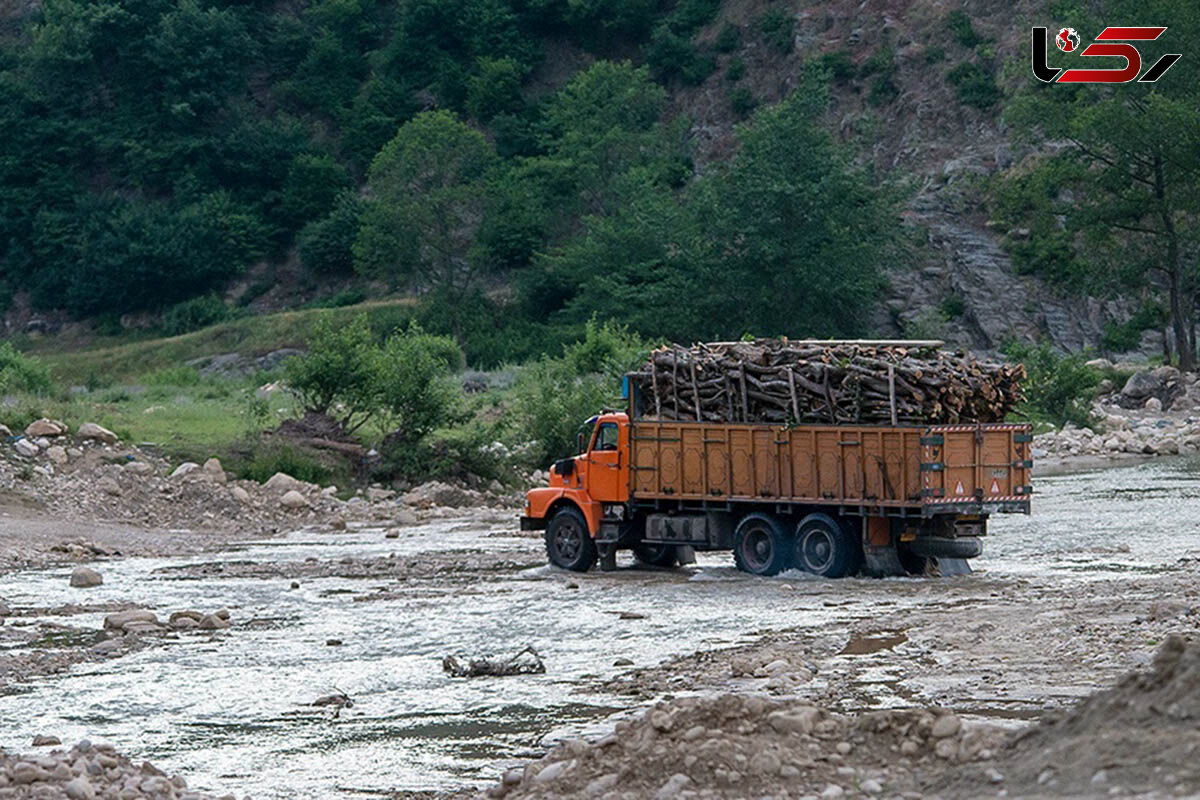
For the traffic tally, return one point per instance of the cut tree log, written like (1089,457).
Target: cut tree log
(855,382)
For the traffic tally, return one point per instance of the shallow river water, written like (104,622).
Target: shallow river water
(226,711)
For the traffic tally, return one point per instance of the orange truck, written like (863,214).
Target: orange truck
(833,500)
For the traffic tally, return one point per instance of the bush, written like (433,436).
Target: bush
(883,91)
(326,244)
(340,369)
(1059,388)
(961,28)
(953,306)
(414,392)
(736,70)
(553,396)
(675,56)
(269,459)
(1126,336)
(192,315)
(934,54)
(742,101)
(22,373)
(727,39)
(174,376)
(777,26)
(838,64)
(975,85)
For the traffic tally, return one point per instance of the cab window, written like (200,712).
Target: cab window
(606,437)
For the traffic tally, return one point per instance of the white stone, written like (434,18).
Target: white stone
(293,500)
(26,448)
(45,427)
(240,494)
(214,470)
(84,577)
(186,468)
(281,482)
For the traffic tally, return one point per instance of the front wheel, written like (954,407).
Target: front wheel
(568,543)
(761,546)
(825,548)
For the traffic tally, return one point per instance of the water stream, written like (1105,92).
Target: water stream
(225,710)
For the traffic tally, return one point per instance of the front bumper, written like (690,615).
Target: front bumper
(533,523)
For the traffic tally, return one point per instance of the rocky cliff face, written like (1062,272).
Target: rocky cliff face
(923,136)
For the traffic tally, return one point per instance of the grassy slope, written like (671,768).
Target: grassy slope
(252,335)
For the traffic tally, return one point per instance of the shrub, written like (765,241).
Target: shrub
(1126,336)
(1059,388)
(340,369)
(22,373)
(742,101)
(883,91)
(553,396)
(776,26)
(736,70)
(953,306)
(961,28)
(265,461)
(675,56)
(838,64)
(727,39)
(174,376)
(934,54)
(975,85)
(414,393)
(194,314)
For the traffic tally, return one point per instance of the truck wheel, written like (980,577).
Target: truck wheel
(761,546)
(568,543)
(825,548)
(656,555)
(946,547)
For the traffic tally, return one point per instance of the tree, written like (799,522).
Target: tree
(428,192)
(1131,165)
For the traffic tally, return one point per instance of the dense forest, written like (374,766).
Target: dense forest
(157,150)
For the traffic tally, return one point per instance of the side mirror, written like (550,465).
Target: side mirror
(579,443)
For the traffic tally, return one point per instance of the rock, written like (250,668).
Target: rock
(177,616)
(994,775)
(109,486)
(184,624)
(377,495)
(26,448)
(673,786)
(212,468)
(45,427)
(871,786)
(623,662)
(553,772)
(139,468)
(4,609)
(58,455)
(214,623)
(392,534)
(282,483)
(1153,405)
(184,469)
(106,647)
(45,741)
(333,642)
(1099,363)
(765,763)
(223,613)
(601,785)
(436,493)
(84,577)
(90,430)
(777,667)
(24,772)
(831,791)
(240,494)
(5,430)
(799,720)
(79,789)
(119,620)
(946,748)
(946,725)
(402,516)
(293,500)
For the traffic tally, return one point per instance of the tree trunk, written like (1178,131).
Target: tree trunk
(1180,318)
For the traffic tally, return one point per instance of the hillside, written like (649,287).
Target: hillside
(270,155)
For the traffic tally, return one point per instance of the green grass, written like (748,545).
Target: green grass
(125,359)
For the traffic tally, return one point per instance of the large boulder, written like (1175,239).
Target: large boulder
(1162,384)
(436,493)
(282,483)
(83,578)
(46,427)
(90,430)
(121,619)
(213,469)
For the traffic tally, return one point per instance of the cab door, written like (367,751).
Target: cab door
(604,475)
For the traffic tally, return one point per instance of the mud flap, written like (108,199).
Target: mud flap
(608,556)
(882,562)
(685,554)
(936,566)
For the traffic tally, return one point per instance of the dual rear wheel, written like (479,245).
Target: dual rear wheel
(763,545)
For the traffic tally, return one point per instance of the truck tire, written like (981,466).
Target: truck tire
(825,548)
(568,543)
(945,547)
(761,546)
(656,555)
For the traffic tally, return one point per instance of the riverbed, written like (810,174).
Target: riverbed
(228,709)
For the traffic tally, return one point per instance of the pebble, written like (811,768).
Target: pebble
(184,469)
(79,789)
(119,620)
(45,741)
(240,494)
(293,500)
(213,622)
(871,786)
(832,790)
(554,771)
(672,787)
(214,471)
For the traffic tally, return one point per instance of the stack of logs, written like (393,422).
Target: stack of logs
(790,382)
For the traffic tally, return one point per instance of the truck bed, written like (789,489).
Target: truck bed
(935,469)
